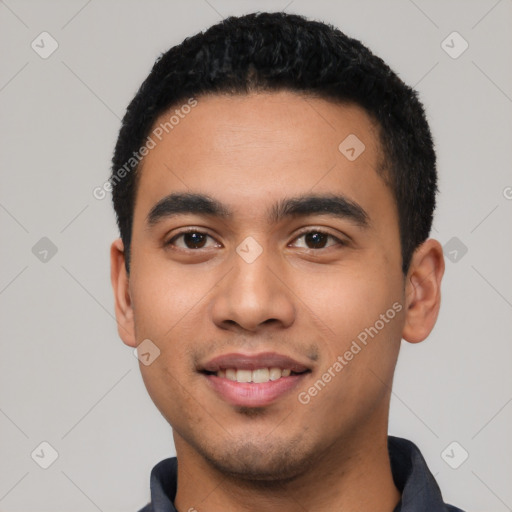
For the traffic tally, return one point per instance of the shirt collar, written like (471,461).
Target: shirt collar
(419,489)
(420,492)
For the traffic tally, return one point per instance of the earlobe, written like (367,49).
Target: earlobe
(120,287)
(423,291)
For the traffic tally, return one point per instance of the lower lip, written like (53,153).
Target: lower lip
(251,394)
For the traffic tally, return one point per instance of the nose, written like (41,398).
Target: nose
(253,296)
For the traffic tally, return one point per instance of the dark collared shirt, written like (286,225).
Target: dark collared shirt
(420,492)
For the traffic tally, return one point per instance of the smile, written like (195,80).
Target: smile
(253,380)
(257,376)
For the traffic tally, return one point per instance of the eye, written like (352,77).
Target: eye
(192,239)
(316,239)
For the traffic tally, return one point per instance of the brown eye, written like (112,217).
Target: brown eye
(194,240)
(190,240)
(316,240)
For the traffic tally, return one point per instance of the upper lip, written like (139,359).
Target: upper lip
(253,362)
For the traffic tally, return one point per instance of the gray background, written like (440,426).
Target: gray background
(66,378)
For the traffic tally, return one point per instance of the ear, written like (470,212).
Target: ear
(121,287)
(423,291)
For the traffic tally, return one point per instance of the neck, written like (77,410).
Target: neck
(353,474)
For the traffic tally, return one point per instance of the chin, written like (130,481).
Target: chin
(250,462)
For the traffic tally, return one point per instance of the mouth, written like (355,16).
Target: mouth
(253,380)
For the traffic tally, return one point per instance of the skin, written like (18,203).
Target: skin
(249,152)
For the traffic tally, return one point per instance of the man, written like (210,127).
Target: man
(274,184)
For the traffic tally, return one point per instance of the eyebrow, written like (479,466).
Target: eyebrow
(333,205)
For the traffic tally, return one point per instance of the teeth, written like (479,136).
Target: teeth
(275,373)
(258,376)
(244,375)
(261,375)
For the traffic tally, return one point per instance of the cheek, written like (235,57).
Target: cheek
(361,317)
(345,303)
(163,299)
(168,390)
(165,311)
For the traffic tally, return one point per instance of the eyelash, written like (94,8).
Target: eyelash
(299,235)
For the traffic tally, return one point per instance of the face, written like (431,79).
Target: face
(276,263)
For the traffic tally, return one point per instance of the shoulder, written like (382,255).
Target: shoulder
(419,489)
(163,483)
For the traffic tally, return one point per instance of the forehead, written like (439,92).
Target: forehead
(249,149)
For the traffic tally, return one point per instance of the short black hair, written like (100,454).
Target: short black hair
(274,52)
